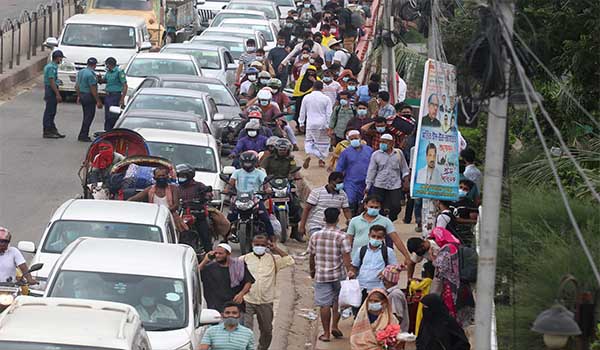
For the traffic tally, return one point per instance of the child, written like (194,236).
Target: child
(420,288)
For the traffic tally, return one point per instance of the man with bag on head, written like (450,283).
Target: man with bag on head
(264,266)
(329,253)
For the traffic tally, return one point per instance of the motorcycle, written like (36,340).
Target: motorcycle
(190,213)
(283,190)
(10,290)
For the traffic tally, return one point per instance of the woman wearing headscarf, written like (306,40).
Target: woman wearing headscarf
(374,315)
(303,87)
(439,331)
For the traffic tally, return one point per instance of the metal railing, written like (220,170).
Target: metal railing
(22,38)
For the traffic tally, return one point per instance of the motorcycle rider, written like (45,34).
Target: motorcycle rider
(10,259)
(269,109)
(190,191)
(253,141)
(282,164)
(251,179)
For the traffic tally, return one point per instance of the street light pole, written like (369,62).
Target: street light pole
(492,188)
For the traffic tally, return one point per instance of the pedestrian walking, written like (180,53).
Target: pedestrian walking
(331,195)
(229,334)
(116,90)
(329,254)
(264,266)
(354,163)
(86,87)
(438,329)
(315,113)
(386,109)
(224,278)
(374,315)
(341,115)
(388,175)
(52,96)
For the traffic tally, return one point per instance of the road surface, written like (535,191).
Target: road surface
(13,8)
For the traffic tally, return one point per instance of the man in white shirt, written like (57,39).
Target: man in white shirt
(315,48)
(341,55)
(315,113)
(471,172)
(331,88)
(10,259)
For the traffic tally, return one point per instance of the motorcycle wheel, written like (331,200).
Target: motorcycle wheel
(283,221)
(244,233)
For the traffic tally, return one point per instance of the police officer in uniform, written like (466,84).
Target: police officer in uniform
(282,164)
(52,96)
(116,90)
(87,94)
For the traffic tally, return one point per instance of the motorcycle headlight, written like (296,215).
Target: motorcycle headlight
(67,67)
(244,205)
(6,299)
(281,192)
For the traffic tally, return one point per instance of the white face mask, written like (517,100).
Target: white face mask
(259,250)
(252,133)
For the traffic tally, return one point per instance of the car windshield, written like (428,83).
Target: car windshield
(96,35)
(169,103)
(133,123)
(161,302)
(206,59)
(223,16)
(267,9)
(25,345)
(143,67)
(145,5)
(236,48)
(200,158)
(218,92)
(63,232)
(259,27)
(289,3)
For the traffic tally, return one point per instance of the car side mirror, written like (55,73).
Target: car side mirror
(51,42)
(210,317)
(232,66)
(218,117)
(228,170)
(115,109)
(26,246)
(200,2)
(36,267)
(146,45)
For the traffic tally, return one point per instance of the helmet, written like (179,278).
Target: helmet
(256,65)
(264,74)
(251,70)
(264,95)
(283,146)
(252,125)
(255,114)
(249,159)
(274,83)
(185,171)
(271,141)
(4,233)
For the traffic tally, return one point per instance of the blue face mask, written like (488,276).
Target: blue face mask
(339,187)
(355,143)
(343,102)
(380,129)
(383,147)
(372,211)
(327,79)
(345,78)
(375,243)
(351,88)
(361,112)
(462,193)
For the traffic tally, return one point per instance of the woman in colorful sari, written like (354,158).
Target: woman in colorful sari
(374,315)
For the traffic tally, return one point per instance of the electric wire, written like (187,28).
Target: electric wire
(527,87)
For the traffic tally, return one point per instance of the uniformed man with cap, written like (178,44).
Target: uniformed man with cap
(87,94)
(116,90)
(52,96)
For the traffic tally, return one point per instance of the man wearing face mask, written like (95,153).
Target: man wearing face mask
(307,11)
(228,334)
(351,87)
(388,175)
(249,82)
(253,141)
(268,108)
(265,261)
(354,163)
(374,130)
(341,115)
(313,46)
(361,119)
(331,88)
(161,193)
(149,310)
(370,260)
(246,58)
(276,56)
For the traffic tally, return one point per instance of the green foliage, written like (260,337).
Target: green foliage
(545,249)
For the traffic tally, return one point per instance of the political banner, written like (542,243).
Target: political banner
(435,168)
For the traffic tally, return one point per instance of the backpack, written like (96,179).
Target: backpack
(384,253)
(356,19)
(467,263)
(353,63)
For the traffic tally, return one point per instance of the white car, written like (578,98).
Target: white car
(56,323)
(268,7)
(98,218)
(228,14)
(144,64)
(140,274)
(246,33)
(235,45)
(267,28)
(198,150)
(98,36)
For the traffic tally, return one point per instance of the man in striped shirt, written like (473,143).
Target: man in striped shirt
(229,334)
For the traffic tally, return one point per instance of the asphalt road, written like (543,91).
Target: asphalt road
(13,8)
(36,174)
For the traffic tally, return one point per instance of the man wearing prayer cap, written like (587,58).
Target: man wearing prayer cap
(354,163)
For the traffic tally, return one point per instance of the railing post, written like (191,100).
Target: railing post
(19,44)
(2,50)
(12,44)
(35,35)
(29,42)
(45,12)
(50,27)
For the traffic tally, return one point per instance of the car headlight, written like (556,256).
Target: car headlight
(244,205)
(187,346)
(67,67)
(6,299)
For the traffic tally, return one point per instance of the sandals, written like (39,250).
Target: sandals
(337,334)
(323,339)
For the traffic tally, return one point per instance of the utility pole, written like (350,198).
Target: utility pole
(388,65)
(492,187)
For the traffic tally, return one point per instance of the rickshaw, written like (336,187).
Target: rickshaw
(125,142)
(134,174)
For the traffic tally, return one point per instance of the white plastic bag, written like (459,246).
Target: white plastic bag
(350,294)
